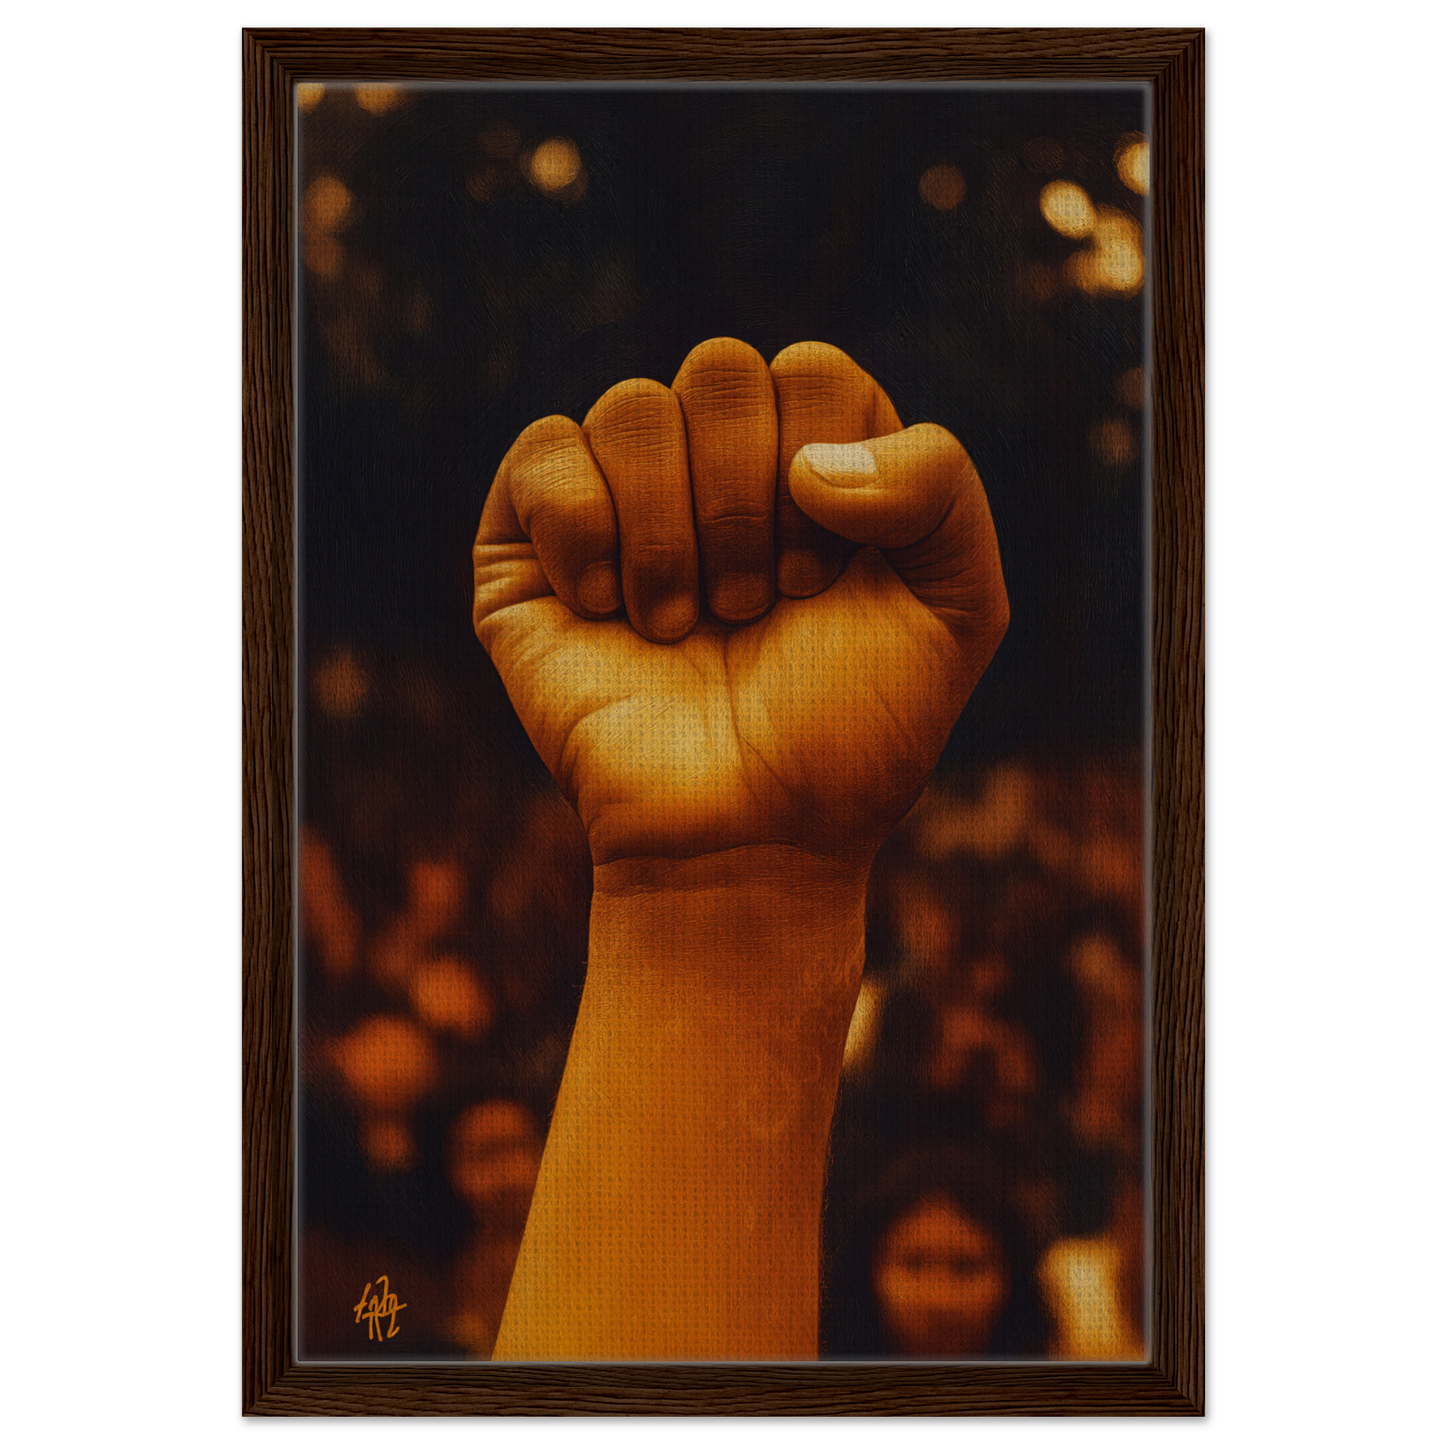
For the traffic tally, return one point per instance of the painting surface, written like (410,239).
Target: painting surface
(474,259)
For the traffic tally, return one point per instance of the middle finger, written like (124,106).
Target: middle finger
(636,433)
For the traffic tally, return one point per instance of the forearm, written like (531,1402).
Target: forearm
(677,1212)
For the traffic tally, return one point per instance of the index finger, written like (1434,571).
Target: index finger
(549,500)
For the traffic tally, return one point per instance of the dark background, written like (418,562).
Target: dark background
(453,290)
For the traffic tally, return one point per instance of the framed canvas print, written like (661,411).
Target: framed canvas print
(723,721)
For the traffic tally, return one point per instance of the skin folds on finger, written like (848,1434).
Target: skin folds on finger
(637,435)
(726,394)
(812,724)
(916,495)
(549,492)
(823,396)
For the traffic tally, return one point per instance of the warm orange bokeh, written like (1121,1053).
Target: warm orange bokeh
(1131,160)
(448,996)
(378,99)
(1112,442)
(1083,1286)
(1113,265)
(325,206)
(387,1062)
(436,895)
(942,186)
(1067,208)
(1129,387)
(339,682)
(555,168)
(327,915)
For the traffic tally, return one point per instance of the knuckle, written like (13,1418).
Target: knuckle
(931,434)
(657,556)
(982,613)
(818,384)
(632,413)
(723,351)
(804,357)
(555,485)
(724,372)
(567,509)
(741,516)
(821,394)
(726,388)
(539,446)
(547,433)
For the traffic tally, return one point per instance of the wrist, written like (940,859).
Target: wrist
(676,1213)
(754,927)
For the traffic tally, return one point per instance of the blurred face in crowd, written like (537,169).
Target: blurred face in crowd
(940,1281)
(495,1154)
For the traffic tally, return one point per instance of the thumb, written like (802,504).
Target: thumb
(916,496)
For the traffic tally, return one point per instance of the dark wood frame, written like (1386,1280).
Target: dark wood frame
(1172,63)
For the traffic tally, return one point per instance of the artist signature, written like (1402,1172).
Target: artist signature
(378,1303)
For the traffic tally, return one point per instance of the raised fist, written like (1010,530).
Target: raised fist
(743,610)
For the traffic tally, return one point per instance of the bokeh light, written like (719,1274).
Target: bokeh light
(1131,160)
(325,256)
(378,99)
(387,1062)
(1114,264)
(1080,1281)
(330,921)
(308,95)
(1098,963)
(1112,442)
(942,186)
(554,166)
(1129,388)
(338,683)
(1068,209)
(437,893)
(326,205)
(448,996)
(389,1144)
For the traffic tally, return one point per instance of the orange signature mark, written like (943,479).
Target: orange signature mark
(377,1306)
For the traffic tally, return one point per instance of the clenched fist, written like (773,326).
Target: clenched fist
(738,618)
(744,610)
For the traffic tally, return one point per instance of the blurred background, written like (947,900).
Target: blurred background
(472,259)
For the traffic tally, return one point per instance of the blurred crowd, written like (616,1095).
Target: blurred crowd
(986,1186)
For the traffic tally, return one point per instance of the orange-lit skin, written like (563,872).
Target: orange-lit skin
(740,704)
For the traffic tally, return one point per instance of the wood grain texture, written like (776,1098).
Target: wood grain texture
(1177,646)
(613,55)
(1172,63)
(268,650)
